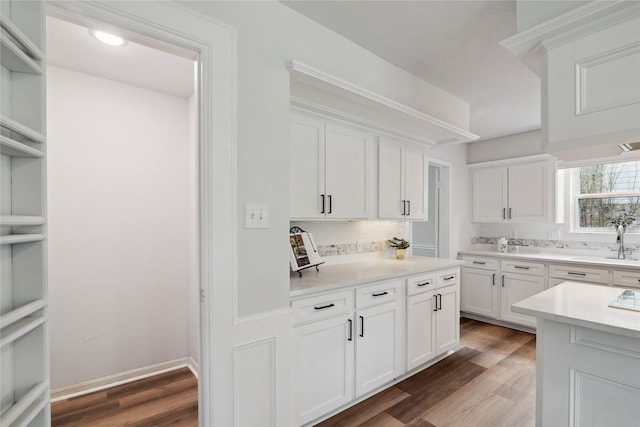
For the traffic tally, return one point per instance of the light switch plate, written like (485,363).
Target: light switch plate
(256,215)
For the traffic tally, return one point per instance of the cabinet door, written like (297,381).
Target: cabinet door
(390,180)
(514,288)
(447,319)
(479,292)
(529,192)
(415,184)
(421,331)
(306,167)
(489,194)
(377,346)
(347,172)
(323,367)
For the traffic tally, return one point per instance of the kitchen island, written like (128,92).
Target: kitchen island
(587,357)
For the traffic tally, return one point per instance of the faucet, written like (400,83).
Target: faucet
(621,229)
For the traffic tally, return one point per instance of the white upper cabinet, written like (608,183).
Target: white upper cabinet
(522,192)
(331,170)
(402,181)
(589,65)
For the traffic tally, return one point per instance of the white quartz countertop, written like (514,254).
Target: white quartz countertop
(599,261)
(337,276)
(582,305)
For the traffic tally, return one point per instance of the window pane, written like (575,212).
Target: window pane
(599,212)
(610,178)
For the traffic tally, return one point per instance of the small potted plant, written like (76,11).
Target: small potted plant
(399,245)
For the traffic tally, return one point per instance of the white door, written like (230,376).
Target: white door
(377,346)
(515,288)
(479,292)
(346,167)
(323,367)
(529,192)
(415,184)
(489,194)
(306,167)
(420,329)
(447,319)
(390,180)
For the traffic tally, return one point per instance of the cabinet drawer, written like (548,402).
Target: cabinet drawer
(480,262)
(421,283)
(579,274)
(378,293)
(321,307)
(522,267)
(447,277)
(630,279)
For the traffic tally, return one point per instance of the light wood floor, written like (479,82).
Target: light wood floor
(489,382)
(169,399)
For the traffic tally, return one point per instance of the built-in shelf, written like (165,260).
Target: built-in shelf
(24,410)
(19,329)
(14,59)
(21,220)
(369,109)
(21,129)
(21,312)
(19,37)
(10,239)
(13,148)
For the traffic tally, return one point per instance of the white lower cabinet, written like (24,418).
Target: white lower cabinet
(377,344)
(479,292)
(350,343)
(323,367)
(515,288)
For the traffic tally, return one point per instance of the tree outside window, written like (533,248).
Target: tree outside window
(605,194)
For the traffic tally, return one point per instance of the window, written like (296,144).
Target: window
(604,194)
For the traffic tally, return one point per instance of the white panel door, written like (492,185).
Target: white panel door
(390,180)
(420,329)
(489,194)
(323,367)
(306,170)
(529,192)
(515,288)
(479,292)
(447,319)
(415,184)
(346,170)
(377,347)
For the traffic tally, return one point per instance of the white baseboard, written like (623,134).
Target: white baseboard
(121,378)
(193,366)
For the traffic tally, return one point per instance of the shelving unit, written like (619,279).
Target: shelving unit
(24,371)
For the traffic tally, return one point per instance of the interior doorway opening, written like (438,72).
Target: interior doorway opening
(126,187)
(431,238)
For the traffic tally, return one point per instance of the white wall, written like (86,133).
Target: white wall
(118,191)
(506,147)
(269,35)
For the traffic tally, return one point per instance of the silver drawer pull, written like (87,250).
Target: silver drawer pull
(322,307)
(521,267)
(380,294)
(572,273)
(479,262)
(429,282)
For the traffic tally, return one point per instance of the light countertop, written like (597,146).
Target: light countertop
(596,261)
(582,305)
(338,276)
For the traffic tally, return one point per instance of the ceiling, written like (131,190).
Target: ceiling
(72,46)
(451,44)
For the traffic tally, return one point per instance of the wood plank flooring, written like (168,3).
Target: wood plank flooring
(489,382)
(169,399)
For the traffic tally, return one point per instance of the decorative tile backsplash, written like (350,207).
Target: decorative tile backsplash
(350,248)
(556,244)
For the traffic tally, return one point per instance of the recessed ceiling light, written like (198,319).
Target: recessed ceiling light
(106,38)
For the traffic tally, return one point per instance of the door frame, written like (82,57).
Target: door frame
(175,29)
(443,207)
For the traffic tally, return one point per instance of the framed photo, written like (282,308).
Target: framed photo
(303,251)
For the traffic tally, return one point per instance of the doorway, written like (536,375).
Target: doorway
(123,209)
(431,238)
